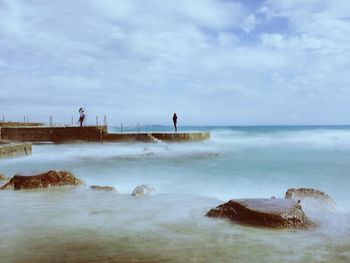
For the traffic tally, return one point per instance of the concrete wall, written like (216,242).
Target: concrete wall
(19,124)
(193,136)
(53,134)
(15,149)
(93,134)
(153,137)
(127,137)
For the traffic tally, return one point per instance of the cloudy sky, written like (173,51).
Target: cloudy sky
(211,61)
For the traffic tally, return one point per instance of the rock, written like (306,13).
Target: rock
(3,177)
(142,190)
(272,213)
(44,180)
(103,188)
(310,193)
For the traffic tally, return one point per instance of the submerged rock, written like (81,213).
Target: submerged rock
(307,193)
(142,190)
(3,177)
(44,180)
(272,213)
(103,188)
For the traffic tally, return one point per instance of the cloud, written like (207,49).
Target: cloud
(249,23)
(173,13)
(212,61)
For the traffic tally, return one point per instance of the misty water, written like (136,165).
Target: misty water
(76,224)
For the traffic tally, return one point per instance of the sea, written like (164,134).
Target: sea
(77,224)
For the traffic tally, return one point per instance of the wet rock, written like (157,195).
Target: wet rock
(272,213)
(103,188)
(3,177)
(309,193)
(143,190)
(44,180)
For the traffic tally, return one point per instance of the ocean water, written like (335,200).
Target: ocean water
(82,225)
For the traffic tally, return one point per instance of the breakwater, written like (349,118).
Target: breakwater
(53,134)
(19,124)
(91,134)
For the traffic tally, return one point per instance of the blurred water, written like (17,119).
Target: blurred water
(190,178)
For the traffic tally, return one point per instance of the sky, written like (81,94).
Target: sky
(213,62)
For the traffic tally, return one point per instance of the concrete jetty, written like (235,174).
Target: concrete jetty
(66,134)
(19,124)
(53,134)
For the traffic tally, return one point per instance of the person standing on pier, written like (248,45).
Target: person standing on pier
(175,121)
(82,116)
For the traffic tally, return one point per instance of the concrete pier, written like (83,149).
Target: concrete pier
(19,124)
(53,134)
(128,137)
(155,137)
(91,134)
(15,149)
(182,137)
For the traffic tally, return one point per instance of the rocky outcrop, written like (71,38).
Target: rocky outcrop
(15,149)
(272,213)
(307,193)
(103,188)
(3,177)
(143,190)
(44,180)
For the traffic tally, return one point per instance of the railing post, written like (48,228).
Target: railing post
(96,120)
(51,120)
(121,128)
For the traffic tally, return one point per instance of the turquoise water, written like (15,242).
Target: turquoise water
(190,178)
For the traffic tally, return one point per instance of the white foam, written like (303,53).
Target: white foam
(315,138)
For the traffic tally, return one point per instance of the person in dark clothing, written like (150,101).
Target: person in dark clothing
(175,121)
(82,116)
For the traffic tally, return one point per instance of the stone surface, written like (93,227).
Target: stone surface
(69,134)
(54,134)
(3,177)
(103,188)
(142,190)
(272,213)
(182,137)
(303,193)
(157,137)
(15,149)
(19,124)
(44,180)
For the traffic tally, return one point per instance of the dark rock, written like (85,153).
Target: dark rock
(44,180)
(302,193)
(272,213)
(142,190)
(103,188)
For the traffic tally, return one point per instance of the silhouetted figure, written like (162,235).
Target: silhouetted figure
(82,116)
(175,122)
